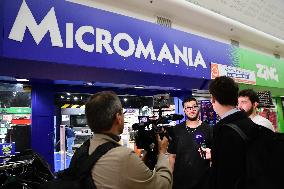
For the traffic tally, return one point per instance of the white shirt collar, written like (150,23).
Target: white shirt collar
(232,111)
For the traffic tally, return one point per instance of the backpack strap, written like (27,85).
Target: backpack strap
(87,165)
(238,130)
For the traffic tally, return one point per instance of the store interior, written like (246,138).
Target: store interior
(138,106)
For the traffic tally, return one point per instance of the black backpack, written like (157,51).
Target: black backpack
(264,158)
(78,175)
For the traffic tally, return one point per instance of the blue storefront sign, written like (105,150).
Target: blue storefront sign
(58,31)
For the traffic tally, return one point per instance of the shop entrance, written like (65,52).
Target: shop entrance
(70,118)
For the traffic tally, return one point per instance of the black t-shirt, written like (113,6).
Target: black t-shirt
(190,169)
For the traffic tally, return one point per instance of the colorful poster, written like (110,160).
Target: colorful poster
(207,113)
(7,149)
(238,74)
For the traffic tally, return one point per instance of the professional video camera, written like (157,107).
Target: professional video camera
(147,129)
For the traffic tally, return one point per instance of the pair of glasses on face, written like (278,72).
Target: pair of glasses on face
(121,112)
(192,107)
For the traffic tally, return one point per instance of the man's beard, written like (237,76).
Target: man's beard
(193,118)
(249,112)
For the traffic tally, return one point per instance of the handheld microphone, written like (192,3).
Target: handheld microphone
(201,145)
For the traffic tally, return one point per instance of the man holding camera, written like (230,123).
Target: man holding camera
(190,169)
(121,167)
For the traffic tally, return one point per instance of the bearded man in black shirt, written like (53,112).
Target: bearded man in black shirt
(190,169)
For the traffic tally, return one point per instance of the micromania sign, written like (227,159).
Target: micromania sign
(69,33)
(105,40)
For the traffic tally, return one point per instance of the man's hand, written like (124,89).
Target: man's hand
(162,144)
(207,152)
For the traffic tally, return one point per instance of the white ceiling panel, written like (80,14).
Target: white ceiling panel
(264,15)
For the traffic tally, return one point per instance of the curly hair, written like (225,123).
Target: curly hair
(225,90)
(251,94)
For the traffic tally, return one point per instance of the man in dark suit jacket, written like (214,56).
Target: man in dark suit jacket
(229,149)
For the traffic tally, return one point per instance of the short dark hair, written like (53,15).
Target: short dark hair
(251,94)
(101,109)
(225,90)
(188,99)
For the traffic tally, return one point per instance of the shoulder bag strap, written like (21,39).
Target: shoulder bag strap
(238,130)
(91,160)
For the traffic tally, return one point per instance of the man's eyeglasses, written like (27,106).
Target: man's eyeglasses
(121,112)
(192,107)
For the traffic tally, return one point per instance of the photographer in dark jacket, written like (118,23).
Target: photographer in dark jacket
(229,149)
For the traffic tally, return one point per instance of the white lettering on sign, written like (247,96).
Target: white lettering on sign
(267,73)
(104,40)
(25,20)
(79,38)
(149,49)
(116,44)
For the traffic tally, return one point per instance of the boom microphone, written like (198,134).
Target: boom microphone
(168,118)
(174,117)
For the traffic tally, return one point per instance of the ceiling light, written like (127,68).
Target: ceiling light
(22,80)
(68,94)
(62,97)
(139,87)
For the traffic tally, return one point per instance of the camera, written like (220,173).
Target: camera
(146,130)
(145,137)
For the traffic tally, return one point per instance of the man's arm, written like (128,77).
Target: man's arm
(172,152)
(139,176)
(172,159)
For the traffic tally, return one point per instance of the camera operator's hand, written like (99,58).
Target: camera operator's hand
(162,144)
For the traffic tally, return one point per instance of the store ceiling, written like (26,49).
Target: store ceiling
(263,15)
